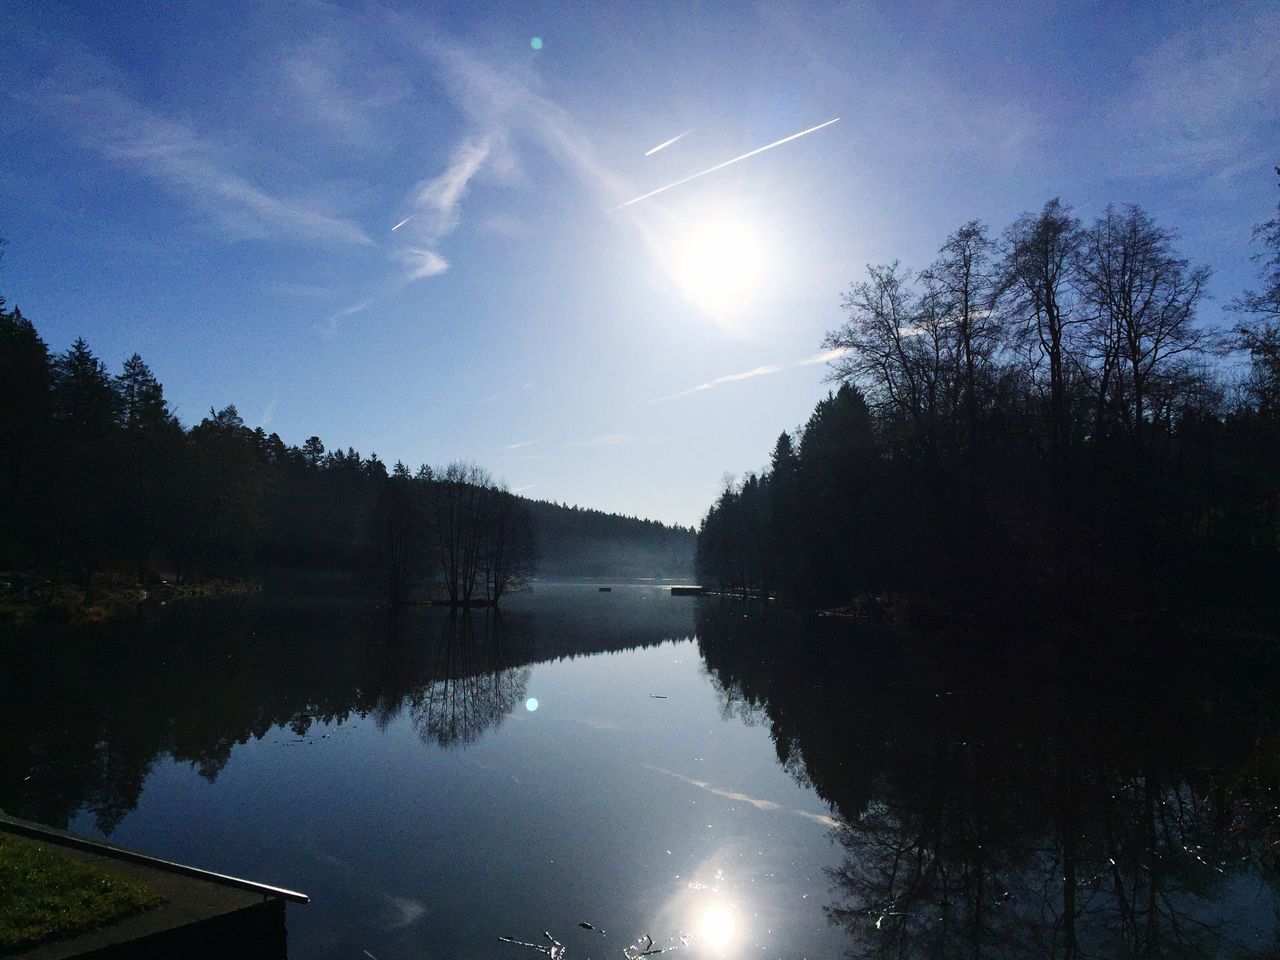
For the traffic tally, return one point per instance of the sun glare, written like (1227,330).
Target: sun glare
(716,927)
(719,265)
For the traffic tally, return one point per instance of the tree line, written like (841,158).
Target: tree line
(99,478)
(1035,417)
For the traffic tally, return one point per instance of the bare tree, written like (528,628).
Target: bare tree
(966,281)
(1144,299)
(460,494)
(1038,263)
(512,548)
(899,348)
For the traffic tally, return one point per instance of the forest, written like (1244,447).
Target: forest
(101,483)
(1036,421)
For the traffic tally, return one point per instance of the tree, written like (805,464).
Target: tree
(1261,339)
(1265,303)
(1040,252)
(1144,299)
(149,455)
(512,551)
(27,374)
(966,280)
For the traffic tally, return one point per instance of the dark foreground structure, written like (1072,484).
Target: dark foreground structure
(205,915)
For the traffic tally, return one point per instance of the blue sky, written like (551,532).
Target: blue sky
(215,187)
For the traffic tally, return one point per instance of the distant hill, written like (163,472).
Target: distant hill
(578,542)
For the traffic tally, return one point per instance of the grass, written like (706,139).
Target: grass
(46,895)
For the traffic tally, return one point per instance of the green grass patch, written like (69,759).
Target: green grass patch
(46,895)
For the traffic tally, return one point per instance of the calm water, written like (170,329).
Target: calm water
(772,786)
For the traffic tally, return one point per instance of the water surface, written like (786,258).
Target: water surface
(762,784)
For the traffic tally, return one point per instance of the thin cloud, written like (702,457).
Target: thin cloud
(422,263)
(727,378)
(330,326)
(666,143)
(527,486)
(175,155)
(439,199)
(726,163)
(825,356)
(1199,99)
(519,446)
(437,207)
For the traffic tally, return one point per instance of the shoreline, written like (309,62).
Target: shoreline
(65,603)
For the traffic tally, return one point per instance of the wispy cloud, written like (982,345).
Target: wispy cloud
(330,325)
(825,356)
(1202,99)
(438,200)
(421,262)
(527,486)
(727,378)
(173,153)
(519,446)
(337,83)
(437,208)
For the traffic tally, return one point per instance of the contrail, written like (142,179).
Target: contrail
(402,223)
(664,144)
(721,166)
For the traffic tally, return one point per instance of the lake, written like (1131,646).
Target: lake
(754,782)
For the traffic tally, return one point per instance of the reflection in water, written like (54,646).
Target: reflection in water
(470,690)
(88,712)
(986,796)
(1127,811)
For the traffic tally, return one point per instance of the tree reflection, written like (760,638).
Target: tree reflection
(471,691)
(87,712)
(1124,810)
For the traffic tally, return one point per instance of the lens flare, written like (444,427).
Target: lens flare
(531,704)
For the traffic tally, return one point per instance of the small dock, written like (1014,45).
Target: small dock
(205,914)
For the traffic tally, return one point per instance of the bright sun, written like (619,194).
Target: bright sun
(716,927)
(719,265)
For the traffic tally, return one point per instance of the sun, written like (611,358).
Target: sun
(716,927)
(719,265)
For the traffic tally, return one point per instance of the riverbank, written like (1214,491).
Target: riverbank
(26,596)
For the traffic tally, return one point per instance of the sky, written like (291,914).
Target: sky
(408,229)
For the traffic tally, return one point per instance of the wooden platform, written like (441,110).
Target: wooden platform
(205,915)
